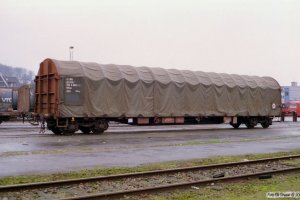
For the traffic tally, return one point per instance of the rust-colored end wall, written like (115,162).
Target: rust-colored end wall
(47,89)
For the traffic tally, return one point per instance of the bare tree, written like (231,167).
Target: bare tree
(24,76)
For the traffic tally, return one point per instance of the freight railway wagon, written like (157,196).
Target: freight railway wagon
(74,95)
(8,104)
(16,102)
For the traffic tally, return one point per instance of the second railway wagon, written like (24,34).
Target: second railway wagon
(8,104)
(73,95)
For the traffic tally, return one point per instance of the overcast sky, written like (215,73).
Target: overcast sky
(253,37)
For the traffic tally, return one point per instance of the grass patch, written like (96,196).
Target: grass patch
(121,170)
(54,151)
(292,162)
(231,141)
(242,190)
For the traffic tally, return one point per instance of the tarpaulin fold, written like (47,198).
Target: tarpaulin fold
(125,91)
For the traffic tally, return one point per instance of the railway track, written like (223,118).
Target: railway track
(126,178)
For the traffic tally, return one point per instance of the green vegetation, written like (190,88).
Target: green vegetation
(24,76)
(54,151)
(247,190)
(121,170)
(292,162)
(231,141)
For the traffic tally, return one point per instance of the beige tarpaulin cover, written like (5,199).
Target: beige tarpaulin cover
(126,91)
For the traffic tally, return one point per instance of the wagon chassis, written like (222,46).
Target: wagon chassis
(98,125)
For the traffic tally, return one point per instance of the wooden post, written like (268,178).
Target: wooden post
(282,116)
(294,117)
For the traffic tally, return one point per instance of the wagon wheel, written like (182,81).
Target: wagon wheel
(105,125)
(251,122)
(97,130)
(56,131)
(249,125)
(237,125)
(100,126)
(265,124)
(85,130)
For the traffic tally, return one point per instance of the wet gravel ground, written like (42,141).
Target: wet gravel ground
(15,129)
(23,151)
(139,182)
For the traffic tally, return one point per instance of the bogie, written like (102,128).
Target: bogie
(85,130)
(236,126)
(71,125)
(251,122)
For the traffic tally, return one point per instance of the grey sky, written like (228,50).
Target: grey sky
(253,37)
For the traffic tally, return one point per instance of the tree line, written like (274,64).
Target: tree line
(24,76)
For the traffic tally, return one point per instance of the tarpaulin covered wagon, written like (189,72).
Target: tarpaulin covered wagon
(73,95)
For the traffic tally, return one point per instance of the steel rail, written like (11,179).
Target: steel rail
(131,175)
(178,185)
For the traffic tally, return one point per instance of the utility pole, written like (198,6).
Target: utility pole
(71,48)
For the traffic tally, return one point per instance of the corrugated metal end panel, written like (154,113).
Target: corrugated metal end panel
(24,99)
(47,89)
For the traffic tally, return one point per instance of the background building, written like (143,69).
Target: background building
(290,93)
